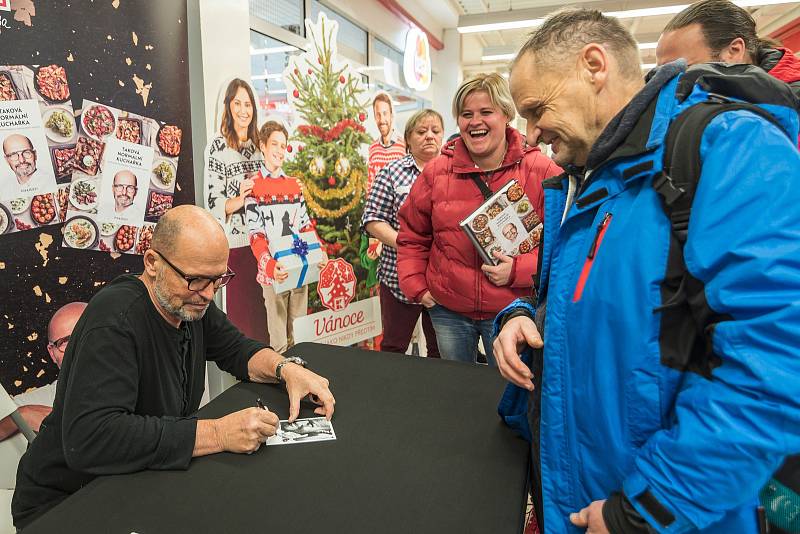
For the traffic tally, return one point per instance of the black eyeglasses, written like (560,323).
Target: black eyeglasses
(19,154)
(59,344)
(199,283)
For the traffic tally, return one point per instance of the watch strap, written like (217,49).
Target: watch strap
(279,367)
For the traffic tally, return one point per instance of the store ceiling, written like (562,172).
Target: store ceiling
(476,46)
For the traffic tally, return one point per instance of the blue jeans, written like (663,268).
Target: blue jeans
(457,335)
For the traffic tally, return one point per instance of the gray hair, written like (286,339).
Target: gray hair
(565,32)
(492,84)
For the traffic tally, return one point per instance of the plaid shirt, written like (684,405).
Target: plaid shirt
(389,191)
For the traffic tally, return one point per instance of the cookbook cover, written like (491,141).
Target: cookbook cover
(123,179)
(37,131)
(506,223)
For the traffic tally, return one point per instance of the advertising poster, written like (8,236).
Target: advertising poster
(37,133)
(123,180)
(328,156)
(130,56)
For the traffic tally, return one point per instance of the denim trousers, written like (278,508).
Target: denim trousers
(457,335)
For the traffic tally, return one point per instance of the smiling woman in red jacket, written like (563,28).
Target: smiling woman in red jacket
(436,262)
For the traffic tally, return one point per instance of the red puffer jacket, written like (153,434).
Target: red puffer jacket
(433,252)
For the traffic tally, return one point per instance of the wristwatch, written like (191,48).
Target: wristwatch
(293,359)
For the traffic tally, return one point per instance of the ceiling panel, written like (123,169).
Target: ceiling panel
(645,29)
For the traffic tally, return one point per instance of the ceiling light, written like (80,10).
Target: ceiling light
(648,66)
(510,25)
(498,57)
(626,14)
(647,46)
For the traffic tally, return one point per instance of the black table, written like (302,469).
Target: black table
(419,449)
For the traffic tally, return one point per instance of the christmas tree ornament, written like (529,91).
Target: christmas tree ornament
(341,79)
(342,167)
(317,166)
(289,149)
(362,117)
(300,148)
(296,93)
(310,71)
(331,181)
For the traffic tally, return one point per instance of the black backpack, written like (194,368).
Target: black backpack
(685,309)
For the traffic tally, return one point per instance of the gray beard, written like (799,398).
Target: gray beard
(175,311)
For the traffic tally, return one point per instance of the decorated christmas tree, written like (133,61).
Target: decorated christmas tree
(327,95)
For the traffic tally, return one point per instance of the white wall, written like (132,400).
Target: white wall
(225,38)
(447,65)
(219,52)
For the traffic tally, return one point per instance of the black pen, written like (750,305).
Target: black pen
(260,404)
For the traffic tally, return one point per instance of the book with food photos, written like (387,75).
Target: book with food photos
(506,223)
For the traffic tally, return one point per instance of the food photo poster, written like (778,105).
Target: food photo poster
(131,56)
(37,132)
(123,179)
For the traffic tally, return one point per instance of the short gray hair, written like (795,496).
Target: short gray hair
(566,31)
(494,85)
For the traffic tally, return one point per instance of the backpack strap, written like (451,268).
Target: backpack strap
(678,180)
(687,321)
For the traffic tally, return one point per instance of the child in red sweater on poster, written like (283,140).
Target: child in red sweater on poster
(275,208)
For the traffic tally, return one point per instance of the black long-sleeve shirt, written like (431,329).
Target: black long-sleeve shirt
(128,385)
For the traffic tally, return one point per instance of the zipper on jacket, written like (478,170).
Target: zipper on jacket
(590,257)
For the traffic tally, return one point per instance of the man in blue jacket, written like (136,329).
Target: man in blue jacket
(635,426)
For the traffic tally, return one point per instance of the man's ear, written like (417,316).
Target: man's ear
(150,262)
(593,63)
(736,52)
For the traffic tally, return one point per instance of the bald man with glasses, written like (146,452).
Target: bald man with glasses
(124,188)
(20,156)
(133,373)
(36,404)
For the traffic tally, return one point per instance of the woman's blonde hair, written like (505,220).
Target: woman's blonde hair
(494,85)
(414,121)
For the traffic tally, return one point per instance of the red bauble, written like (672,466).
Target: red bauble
(300,148)
(296,93)
(341,79)
(331,181)
(296,72)
(319,60)
(289,149)
(362,117)
(310,71)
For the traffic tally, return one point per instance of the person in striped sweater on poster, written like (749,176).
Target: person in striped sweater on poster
(388,147)
(276,208)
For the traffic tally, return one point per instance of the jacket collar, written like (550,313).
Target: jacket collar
(628,132)
(462,161)
(781,63)
(266,174)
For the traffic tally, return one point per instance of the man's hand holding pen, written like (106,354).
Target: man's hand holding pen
(245,430)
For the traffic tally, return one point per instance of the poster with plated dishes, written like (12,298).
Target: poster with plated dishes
(506,223)
(37,133)
(123,179)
